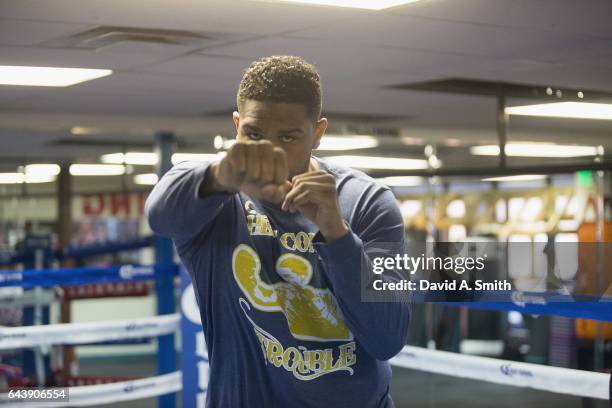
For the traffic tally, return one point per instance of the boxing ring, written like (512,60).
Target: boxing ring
(34,288)
(194,359)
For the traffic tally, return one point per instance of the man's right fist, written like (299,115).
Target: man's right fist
(257,168)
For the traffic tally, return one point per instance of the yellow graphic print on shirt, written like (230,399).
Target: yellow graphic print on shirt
(312,313)
(304,364)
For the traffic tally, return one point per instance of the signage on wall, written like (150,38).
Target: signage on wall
(115,204)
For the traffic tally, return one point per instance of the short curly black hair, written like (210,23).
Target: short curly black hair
(282,79)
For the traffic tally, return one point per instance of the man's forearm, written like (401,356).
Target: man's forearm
(175,207)
(381,327)
(210,185)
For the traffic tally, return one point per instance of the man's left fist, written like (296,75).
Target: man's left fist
(314,195)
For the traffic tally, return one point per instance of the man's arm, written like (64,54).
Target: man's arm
(381,327)
(185,201)
(191,195)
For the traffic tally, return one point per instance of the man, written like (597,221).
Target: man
(273,239)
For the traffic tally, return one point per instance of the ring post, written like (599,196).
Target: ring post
(164,283)
(36,248)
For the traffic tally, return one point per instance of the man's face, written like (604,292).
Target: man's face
(285,125)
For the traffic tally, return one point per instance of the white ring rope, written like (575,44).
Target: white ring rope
(553,379)
(87,395)
(90,332)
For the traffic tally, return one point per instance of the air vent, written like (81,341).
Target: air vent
(106,36)
(490,88)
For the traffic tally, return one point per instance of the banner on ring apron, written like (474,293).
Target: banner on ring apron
(194,357)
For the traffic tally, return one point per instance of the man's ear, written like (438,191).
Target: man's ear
(320,128)
(236,119)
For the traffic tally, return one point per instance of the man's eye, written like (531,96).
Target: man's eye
(287,139)
(254,136)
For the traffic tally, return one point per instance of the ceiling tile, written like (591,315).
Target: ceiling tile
(589,17)
(54,57)
(26,32)
(210,15)
(199,65)
(465,39)
(71,100)
(336,59)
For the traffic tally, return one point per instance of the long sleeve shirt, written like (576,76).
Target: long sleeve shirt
(281,308)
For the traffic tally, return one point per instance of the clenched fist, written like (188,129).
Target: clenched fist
(314,194)
(257,168)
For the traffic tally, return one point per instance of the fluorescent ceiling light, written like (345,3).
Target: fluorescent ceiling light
(148,179)
(18,178)
(202,157)
(137,158)
(378,163)
(33,173)
(574,110)
(221,143)
(42,170)
(402,181)
(329,142)
(150,159)
(522,177)
(453,142)
(361,4)
(536,150)
(487,150)
(84,131)
(79,130)
(39,178)
(434,162)
(12,178)
(97,169)
(411,141)
(48,76)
